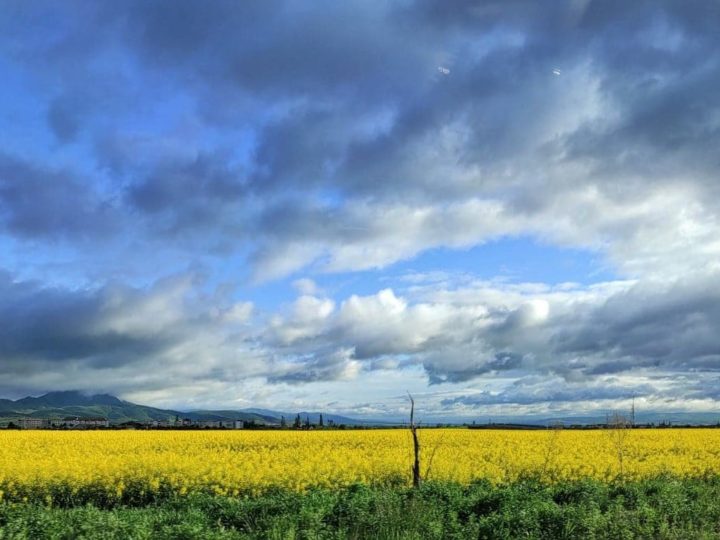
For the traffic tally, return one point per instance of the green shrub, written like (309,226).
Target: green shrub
(663,507)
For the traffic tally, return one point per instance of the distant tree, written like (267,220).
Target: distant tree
(320,422)
(307,422)
(298,422)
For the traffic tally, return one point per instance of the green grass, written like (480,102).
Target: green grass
(664,507)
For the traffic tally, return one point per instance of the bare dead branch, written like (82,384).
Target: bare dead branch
(416,475)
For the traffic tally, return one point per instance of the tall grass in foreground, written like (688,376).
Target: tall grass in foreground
(659,507)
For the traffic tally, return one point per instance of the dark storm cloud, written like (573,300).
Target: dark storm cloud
(64,119)
(188,195)
(345,114)
(122,338)
(706,387)
(670,326)
(465,363)
(665,129)
(50,203)
(329,366)
(275,48)
(38,323)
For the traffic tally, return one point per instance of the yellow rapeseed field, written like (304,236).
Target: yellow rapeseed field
(116,466)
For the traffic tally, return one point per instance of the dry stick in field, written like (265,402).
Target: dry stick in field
(417,477)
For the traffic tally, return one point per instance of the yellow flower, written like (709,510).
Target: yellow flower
(37,464)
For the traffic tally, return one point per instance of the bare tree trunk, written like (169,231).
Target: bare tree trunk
(417,477)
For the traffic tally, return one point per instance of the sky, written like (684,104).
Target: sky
(503,207)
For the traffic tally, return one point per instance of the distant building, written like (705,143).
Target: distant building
(232,424)
(33,423)
(200,424)
(84,422)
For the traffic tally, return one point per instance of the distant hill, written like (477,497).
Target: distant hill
(57,405)
(60,404)
(68,399)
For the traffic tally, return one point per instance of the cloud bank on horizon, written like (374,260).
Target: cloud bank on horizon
(505,207)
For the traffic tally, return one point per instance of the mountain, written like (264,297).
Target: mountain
(71,403)
(68,399)
(57,405)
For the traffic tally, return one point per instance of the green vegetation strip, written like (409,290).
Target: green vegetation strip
(663,507)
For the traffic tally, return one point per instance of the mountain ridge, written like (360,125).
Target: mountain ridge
(75,403)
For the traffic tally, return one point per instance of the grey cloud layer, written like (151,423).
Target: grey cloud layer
(119,337)
(349,125)
(50,204)
(658,338)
